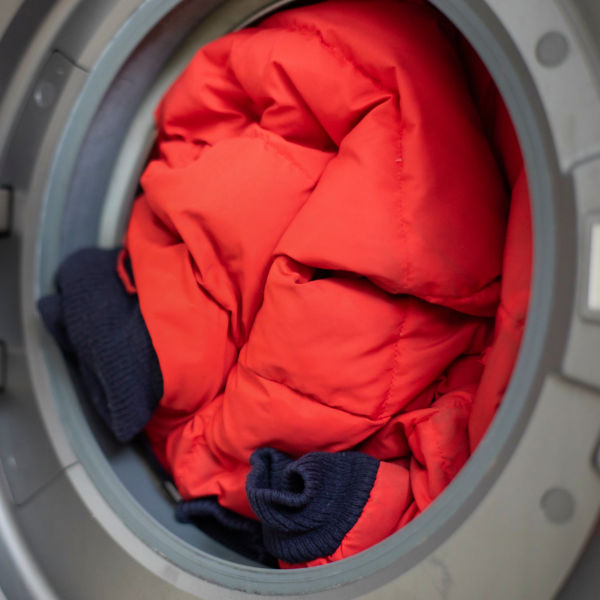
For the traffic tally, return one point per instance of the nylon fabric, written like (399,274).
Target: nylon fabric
(318,250)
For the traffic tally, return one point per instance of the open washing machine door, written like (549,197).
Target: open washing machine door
(82,517)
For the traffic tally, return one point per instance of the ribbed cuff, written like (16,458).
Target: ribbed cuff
(100,326)
(306,507)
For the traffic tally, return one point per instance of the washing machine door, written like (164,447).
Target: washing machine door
(81,517)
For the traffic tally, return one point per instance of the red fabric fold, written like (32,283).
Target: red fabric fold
(318,252)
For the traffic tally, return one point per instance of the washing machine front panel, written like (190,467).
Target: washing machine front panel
(535,476)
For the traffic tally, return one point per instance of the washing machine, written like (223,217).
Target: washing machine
(82,517)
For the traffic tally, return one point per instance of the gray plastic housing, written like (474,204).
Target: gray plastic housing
(83,517)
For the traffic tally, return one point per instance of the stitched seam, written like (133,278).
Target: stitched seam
(259,134)
(401,227)
(314,398)
(399,172)
(335,51)
(383,411)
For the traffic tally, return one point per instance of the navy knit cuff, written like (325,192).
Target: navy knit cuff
(100,328)
(306,507)
(239,533)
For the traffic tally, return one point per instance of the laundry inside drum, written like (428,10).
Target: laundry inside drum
(319,298)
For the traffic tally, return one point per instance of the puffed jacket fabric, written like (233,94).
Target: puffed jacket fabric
(331,253)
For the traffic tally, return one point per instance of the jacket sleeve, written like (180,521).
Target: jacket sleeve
(99,327)
(325,507)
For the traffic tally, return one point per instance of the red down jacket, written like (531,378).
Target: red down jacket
(318,253)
